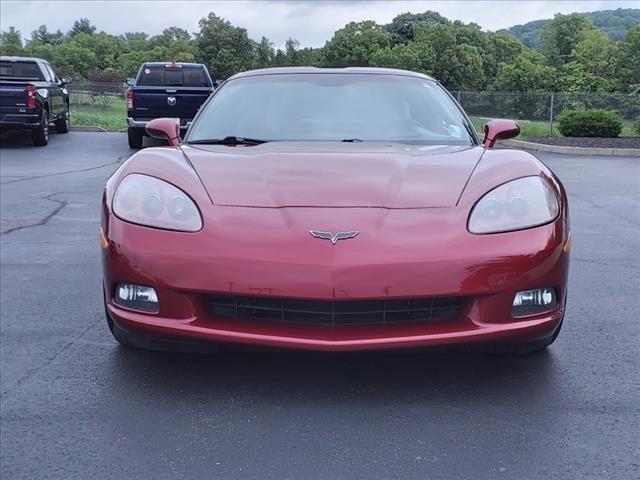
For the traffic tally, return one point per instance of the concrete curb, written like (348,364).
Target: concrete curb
(82,128)
(541,147)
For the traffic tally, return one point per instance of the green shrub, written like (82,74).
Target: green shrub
(636,126)
(590,123)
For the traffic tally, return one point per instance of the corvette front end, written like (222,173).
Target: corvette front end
(257,276)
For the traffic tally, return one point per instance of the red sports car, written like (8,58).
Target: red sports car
(334,209)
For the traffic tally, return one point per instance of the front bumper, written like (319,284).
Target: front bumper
(485,272)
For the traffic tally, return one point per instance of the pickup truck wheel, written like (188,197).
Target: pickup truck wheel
(40,134)
(135,138)
(62,125)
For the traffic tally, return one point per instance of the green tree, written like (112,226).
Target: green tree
(44,36)
(135,41)
(72,60)
(264,53)
(575,77)
(225,49)
(177,44)
(528,73)
(597,53)
(352,45)
(561,35)
(468,70)
(441,40)
(40,50)
(401,27)
(11,42)
(402,56)
(501,48)
(106,48)
(310,56)
(279,58)
(291,52)
(82,26)
(629,60)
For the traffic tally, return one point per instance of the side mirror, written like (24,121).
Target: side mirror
(495,130)
(65,81)
(165,129)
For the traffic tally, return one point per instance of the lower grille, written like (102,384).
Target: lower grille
(346,312)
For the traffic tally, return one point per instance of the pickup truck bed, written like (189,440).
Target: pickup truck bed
(32,98)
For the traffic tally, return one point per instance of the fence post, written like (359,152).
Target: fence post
(551,117)
(458,96)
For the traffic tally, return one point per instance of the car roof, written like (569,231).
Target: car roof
(348,70)
(11,58)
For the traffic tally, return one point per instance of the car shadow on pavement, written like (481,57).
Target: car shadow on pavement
(17,139)
(380,375)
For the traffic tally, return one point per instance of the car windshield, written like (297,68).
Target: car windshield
(20,70)
(332,107)
(173,76)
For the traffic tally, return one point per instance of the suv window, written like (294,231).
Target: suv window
(21,70)
(171,76)
(51,73)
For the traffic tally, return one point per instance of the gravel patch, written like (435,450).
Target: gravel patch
(589,142)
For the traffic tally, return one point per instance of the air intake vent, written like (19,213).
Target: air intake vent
(348,312)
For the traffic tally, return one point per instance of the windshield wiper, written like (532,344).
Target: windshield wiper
(351,140)
(229,140)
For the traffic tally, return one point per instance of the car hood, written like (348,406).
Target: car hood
(296,174)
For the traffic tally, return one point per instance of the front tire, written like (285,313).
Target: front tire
(63,124)
(40,134)
(135,138)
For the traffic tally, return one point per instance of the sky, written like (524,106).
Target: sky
(312,23)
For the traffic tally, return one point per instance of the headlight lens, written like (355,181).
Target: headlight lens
(523,203)
(153,202)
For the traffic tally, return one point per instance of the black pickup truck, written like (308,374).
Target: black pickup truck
(175,90)
(32,98)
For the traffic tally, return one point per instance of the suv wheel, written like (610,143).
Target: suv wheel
(135,138)
(40,134)
(62,125)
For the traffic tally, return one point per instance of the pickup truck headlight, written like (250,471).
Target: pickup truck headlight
(155,203)
(523,203)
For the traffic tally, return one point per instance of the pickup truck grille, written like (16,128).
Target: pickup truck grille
(333,313)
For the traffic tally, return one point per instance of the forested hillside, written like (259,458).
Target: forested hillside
(614,23)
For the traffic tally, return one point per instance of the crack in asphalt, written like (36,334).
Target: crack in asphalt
(45,219)
(30,373)
(61,203)
(68,172)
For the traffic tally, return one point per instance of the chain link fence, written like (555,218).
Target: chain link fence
(103,104)
(93,95)
(545,108)
(98,104)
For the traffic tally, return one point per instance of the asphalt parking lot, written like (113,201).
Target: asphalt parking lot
(76,405)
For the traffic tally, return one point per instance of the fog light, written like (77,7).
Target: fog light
(531,302)
(137,297)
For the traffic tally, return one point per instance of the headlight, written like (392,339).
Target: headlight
(149,201)
(523,203)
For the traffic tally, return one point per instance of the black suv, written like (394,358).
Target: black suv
(32,97)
